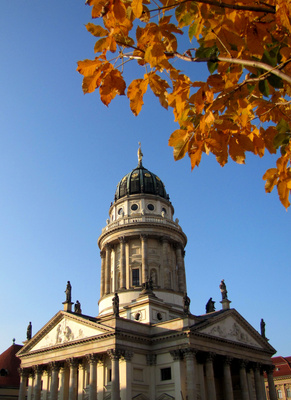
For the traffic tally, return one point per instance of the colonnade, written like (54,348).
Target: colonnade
(201,381)
(95,375)
(74,378)
(124,280)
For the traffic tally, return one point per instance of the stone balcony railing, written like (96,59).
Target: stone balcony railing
(141,219)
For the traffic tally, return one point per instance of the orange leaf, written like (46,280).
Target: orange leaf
(137,7)
(96,30)
(135,92)
(271,178)
(179,139)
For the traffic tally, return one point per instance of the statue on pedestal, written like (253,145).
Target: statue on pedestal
(68,292)
(223,290)
(29,331)
(115,305)
(186,304)
(263,328)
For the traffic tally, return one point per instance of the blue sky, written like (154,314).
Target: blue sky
(61,157)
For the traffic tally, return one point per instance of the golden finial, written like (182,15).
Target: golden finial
(139,155)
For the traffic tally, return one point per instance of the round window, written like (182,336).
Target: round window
(134,207)
(164,210)
(159,316)
(151,207)
(120,211)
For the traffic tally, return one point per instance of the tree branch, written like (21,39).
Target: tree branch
(249,63)
(267,9)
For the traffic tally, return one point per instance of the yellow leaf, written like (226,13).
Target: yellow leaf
(179,139)
(88,67)
(96,30)
(283,192)
(137,7)
(271,178)
(135,92)
(119,11)
(113,84)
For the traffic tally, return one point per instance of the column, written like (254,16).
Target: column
(63,383)
(22,387)
(243,380)
(122,283)
(102,278)
(251,386)
(126,373)
(100,378)
(114,354)
(166,272)
(144,259)
(107,268)
(81,381)
(152,362)
(272,389)
(30,386)
(73,364)
(55,381)
(227,380)
(45,383)
(201,381)
(177,357)
(258,386)
(181,269)
(127,264)
(37,382)
(191,372)
(210,382)
(92,360)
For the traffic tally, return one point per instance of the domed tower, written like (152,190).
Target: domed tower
(142,251)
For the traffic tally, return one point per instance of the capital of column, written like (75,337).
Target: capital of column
(227,360)
(127,355)
(189,353)
(72,362)
(54,366)
(177,355)
(243,363)
(102,254)
(210,356)
(144,237)
(23,372)
(108,246)
(92,358)
(37,369)
(114,354)
(269,368)
(151,359)
(122,239)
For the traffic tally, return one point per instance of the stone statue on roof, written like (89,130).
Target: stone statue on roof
(186,304)
(263,328)
(68,292)
(29,331)
(77,307)
(223,290)
(210,306)
(115,305)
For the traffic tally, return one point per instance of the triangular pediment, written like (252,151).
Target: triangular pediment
(62,329)
(233,328)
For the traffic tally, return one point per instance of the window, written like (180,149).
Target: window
(135,277)
(134,207)
(280,395)
(151,207)
(109,374)
(288,392)
(166,374)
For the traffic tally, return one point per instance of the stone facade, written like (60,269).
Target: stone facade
(145,344)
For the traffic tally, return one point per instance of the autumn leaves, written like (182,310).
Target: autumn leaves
(247,50)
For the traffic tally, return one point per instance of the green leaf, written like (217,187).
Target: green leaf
(212,66)
(283,126)
(275,81)
(264,88)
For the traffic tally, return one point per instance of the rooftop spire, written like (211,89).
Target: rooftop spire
(139,155)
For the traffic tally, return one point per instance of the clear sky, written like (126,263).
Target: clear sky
(61,157)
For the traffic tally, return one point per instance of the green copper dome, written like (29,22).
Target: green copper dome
(140,180)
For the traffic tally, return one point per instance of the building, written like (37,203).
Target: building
(282,377)
(145,344)
(9,376)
